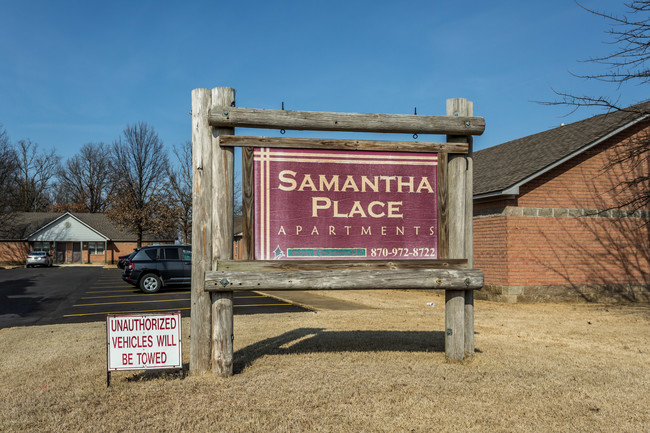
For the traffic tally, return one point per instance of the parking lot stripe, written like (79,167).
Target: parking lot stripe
(131,302)
(125,295)
(284,304)
(153,294)
(152,301)
(113,291)
(103,313)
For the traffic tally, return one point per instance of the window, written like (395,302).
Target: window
(96,247)
(187,253)
(41,246)
(171,253)
(146,254)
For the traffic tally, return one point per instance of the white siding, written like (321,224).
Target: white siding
(67,229)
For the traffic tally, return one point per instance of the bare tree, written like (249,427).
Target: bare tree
(180,186)
(34,177)
(627,64)
(140,200)
(84,181)
(8,170)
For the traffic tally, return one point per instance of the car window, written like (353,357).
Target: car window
(170,253)
(187,253)
(148,254)
(37,253)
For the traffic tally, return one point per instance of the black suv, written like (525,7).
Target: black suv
(155,266)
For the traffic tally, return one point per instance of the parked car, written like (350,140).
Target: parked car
(39,258)
(122,260)
(151,268)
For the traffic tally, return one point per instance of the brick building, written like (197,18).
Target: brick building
(551,219)
(69,237)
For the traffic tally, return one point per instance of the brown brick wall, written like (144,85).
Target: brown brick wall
(577,251)
(237,249)
(13,253)
(490,248)
(521,247)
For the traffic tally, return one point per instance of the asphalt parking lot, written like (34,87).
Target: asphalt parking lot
(73,294)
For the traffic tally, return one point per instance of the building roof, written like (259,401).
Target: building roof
(500,170)
(19,225)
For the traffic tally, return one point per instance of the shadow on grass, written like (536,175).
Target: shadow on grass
(167,374)
(317,340)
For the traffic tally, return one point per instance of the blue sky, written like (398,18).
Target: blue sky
(73,72)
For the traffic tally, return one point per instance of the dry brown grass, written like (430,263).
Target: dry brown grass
(557,368)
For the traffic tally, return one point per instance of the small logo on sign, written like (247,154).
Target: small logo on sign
(278,253)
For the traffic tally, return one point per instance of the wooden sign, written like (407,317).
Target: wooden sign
(361,204)
(328,204)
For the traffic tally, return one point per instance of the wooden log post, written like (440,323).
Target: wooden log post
(222,203)
(212,170)
(459,304)
(248,240)
(469,244)
(200,324)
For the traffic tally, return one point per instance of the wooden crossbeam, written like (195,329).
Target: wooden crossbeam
(232,117)
(351,279)
(338,144)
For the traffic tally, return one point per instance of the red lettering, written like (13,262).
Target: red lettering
(145,358)
(166,340)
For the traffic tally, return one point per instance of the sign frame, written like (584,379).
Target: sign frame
(250,143)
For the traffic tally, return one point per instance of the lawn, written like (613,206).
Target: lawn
(544,367)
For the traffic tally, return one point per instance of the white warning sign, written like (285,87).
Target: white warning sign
(137,342)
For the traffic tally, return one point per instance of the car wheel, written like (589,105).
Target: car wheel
(150,283)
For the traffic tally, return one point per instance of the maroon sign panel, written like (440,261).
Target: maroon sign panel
(322,204)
